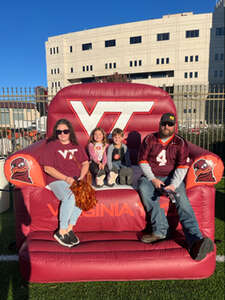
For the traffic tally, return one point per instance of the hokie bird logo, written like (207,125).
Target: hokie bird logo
(204,171)
(20,170)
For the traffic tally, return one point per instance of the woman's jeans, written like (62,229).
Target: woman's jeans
(69,212)
(159,223)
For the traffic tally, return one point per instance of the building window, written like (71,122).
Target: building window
(135,39)
(221,56)
(50,51)
(163,36)
(71,70)
(220,31)
(106,66)
(4,115)
(186,59)
(221,73)
(58,83)
(87,46)
(58,70)
(162,61)
(110,43)
(190,74)
(83,68)
(192,33)
(167,60)
(191,58)
(196,74)
(51,71)
(185,75)
(157,61)
(140,62)
(87,68)
(114,65)
(57,49)
(216,56)
(196,57)
(71,49)
(215,73)
(131,63)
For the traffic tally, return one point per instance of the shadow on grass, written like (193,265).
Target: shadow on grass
(219,209)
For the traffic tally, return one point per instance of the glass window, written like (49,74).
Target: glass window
(51,71)
(221,56)
(4,115)
(71,70)
(185,75)
(110,65)
(18,115)
(190,74)
(221,73)
(114,65)
(110,43)
(57,49)
(162,61)
(106,66)
(140,62)
(157,61)
(58,70)
(186,59)
(215,73)
(192,33)
(58,83)
(87,46)
(196,57)
(163,36)
(87,68)
(216,56)
(91,68)
(167,60)
(71,49)
(135,39)
(196,74)
(135,63)
(191,58)
(131,63)
(51,51)
(220,31)
(54,50)
(83,68)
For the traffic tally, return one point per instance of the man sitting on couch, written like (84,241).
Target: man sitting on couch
(164,161)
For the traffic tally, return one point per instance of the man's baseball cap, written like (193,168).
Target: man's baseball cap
(168,117)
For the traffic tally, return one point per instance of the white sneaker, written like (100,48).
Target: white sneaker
(112,178)
(100,180)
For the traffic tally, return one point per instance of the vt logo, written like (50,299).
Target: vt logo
(90,118)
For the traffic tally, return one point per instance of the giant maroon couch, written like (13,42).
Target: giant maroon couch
(110,248)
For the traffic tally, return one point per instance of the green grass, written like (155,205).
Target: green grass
(12,287)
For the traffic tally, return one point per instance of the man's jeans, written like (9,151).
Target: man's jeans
(69,212)
(160,226)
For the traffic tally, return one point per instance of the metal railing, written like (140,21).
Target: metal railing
(200,109)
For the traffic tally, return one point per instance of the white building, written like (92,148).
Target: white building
(178,49)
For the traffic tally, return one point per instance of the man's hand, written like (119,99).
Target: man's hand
(157,183)
(170,187)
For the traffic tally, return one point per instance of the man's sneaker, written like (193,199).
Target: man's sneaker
(64,240)
(73,238)
(201,248)
(151,238)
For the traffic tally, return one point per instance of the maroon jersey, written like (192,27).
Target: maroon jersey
(61,157)
(164,158)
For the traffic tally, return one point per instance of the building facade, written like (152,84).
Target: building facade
(178,49)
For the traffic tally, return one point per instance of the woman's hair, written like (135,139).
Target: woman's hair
(92,140)
(54,136)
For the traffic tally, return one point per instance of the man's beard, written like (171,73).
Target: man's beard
(166,134)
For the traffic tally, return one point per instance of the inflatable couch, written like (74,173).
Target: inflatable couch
(110,249)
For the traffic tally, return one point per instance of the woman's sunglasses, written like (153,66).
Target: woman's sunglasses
(65,131)
(170,124)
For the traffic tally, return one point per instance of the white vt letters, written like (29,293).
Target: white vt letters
(65,153)
(125,108)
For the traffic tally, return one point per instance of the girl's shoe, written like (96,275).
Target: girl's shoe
(99,180)
(111,180)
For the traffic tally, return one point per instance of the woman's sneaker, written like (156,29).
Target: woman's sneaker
(100,180)
(63,240)
(73,238)
(112,178)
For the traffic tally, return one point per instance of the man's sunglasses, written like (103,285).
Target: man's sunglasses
(170,124)
(65,131)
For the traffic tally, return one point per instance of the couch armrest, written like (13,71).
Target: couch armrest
(206,169)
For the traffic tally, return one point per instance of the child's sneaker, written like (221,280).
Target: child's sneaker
(73,238)
(112,178)
(64,240)
(100,180)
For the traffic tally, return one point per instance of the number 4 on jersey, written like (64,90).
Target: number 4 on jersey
(161,158)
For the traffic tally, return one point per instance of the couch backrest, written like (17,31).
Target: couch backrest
(135,108)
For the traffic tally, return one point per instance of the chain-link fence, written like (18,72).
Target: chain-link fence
(200,109)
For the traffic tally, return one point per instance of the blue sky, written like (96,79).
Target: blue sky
(26,25)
